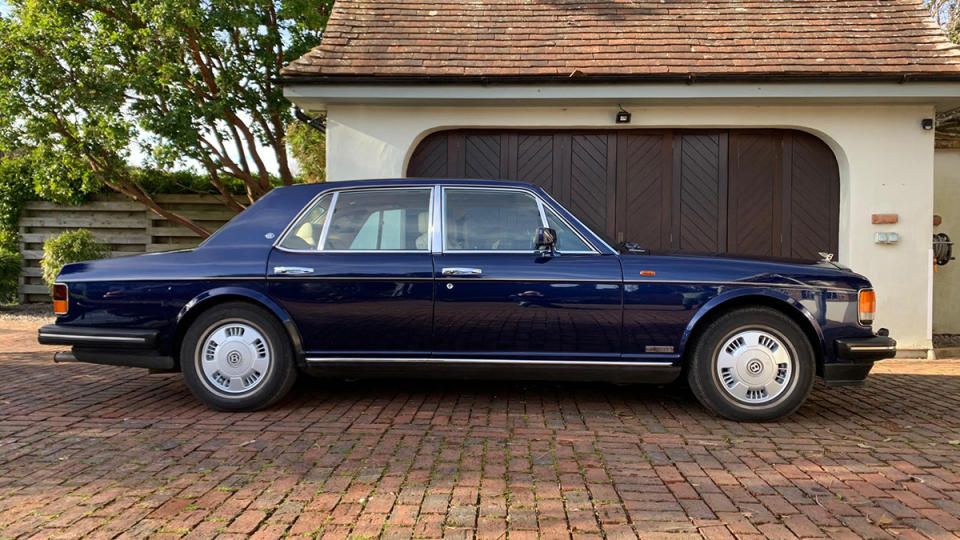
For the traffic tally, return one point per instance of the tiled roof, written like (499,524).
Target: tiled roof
(630,38)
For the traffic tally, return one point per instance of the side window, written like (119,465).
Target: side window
(567,240)
(490,220)
(380,219)
(305,233)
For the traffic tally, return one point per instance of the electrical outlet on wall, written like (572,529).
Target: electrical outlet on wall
(886,238)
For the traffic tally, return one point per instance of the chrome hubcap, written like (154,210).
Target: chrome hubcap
(235,358)
(754,367)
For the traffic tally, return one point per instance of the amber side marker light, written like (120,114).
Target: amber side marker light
(867,306)
(61,297)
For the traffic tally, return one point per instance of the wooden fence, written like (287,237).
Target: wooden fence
(127,226)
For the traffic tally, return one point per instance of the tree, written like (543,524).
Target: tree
(947,14)
(188,82)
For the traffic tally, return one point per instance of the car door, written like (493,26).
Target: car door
(355,273)
(497,297)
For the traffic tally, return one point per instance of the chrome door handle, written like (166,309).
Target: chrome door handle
(292,270)
(461,271)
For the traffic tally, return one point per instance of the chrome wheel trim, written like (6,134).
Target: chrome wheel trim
(234,358)
(755,367)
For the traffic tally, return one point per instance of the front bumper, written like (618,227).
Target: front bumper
(107,346)
(855,358)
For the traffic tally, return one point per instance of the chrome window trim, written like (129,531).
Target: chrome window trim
(543,221)
(286,230)
(575,218)
(436,223)
(326,224)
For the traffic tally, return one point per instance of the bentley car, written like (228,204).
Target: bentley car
(468,279)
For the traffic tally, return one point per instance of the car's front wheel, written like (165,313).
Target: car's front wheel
(752,364)
(237,357)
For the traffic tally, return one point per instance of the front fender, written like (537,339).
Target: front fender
(199,303)
(766,297)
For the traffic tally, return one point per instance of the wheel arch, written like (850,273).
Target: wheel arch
(751,298)
(215,297)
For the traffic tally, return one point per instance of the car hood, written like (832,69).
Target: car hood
(740,269)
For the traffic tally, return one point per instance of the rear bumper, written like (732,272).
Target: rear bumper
(97,338)
(855,359)
(107,346)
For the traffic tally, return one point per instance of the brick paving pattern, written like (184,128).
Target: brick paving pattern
(94,452)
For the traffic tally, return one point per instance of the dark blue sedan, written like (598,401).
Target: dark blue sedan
(465,279)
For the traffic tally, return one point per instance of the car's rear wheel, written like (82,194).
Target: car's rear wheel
(752,364)
(237,357)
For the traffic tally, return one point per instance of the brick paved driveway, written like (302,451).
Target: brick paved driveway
(89,451)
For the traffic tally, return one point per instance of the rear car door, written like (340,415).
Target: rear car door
(497,297)
(355,273)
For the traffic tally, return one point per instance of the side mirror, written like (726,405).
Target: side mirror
(545,240)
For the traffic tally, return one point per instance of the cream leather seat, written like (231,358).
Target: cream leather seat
(307,232)
(423,227)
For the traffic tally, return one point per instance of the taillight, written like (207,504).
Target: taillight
(867,307)
(61,297)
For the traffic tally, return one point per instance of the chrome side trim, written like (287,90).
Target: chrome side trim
(150,279)
(348,278)
(496,361)
(855,348)
(745,283)
(94,338)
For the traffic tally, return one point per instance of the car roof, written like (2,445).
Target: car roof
(401,182)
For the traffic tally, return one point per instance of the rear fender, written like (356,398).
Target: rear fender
(200,303)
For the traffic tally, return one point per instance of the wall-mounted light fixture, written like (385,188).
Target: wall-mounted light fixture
(927,124)
(623,117)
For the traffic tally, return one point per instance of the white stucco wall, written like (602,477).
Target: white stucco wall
(886,166)
(946,281)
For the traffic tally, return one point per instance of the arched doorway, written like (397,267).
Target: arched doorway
(750,192)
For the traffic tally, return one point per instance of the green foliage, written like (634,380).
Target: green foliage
(15,190)
(91,85)
(69,247)
(10,263)
(309,148)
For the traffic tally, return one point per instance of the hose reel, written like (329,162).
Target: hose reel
(942,249)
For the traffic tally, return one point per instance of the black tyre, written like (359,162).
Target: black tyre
(752,364)
(237,357)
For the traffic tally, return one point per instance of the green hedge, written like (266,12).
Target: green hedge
(69,247)
(10,264)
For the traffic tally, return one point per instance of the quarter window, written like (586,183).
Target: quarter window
(567,240)
(305,233)
(380,220)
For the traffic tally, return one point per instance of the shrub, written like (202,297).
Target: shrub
(9,275)
(69,247)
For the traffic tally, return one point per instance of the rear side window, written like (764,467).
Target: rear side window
(305,234)
(380,220)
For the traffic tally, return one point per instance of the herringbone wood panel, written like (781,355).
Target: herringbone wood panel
(773,192)
(700,194)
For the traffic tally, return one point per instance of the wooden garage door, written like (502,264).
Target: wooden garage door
(753,192)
